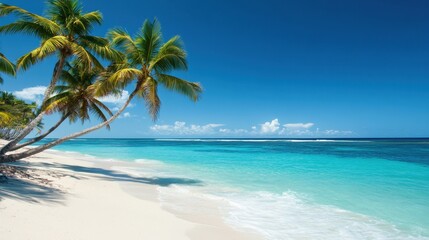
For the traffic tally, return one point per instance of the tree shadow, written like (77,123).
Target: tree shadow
(33,192)
(113,175)
(28,191)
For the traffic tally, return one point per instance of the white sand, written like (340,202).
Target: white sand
(86,201)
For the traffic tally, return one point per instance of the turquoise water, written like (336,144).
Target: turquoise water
(292,189)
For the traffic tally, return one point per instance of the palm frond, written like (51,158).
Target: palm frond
(124,42)
(45,26)
(95,110)
(67,77)
(87,20)
(171,56)
(123,76)
(6,9)
(47,48)
(6,66)
(5,119)
(57,102)
(149,92)
(102,105)
(149,40)
(189,89)
(27,27)
(62,11)
(84,57)
(101,47)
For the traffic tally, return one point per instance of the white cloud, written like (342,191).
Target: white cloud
(336,132)
(233,131)
(270,127)
(31,94)
(181,128)
(274,127)
(297,129)
(298,125)
(125,115)
(119,101)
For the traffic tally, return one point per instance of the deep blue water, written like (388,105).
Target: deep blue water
(287,189)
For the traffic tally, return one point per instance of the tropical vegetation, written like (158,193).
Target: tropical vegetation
(143,62)
(15,114)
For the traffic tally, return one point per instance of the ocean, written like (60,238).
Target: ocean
(289,188)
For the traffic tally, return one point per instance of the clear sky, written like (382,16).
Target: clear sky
(333,68)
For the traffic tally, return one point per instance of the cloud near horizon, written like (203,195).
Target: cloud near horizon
(268,129)
(181,128)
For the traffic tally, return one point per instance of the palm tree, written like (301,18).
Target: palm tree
(6,67)
(65,31)
(75,99)
(149,61)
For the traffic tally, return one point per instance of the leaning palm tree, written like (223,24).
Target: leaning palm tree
(65,31)
(6,66)
(149,62)
(74,99)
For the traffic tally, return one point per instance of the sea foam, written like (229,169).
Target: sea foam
(280,216)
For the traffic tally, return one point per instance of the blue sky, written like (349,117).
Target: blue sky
(272,68)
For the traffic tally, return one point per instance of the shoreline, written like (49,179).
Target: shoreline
(86,197)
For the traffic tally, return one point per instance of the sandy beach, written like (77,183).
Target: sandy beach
(73,196)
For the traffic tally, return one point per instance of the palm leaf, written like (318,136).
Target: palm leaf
(123,76)
(171,56)
(47,48)
(189,89)
(95,110)
(27,27)
(149,40)
(49,27)
(149,92)
(87,20)
(57,102)
(84,57)
(123,41)
(6,66)
(100,104)
(101,47)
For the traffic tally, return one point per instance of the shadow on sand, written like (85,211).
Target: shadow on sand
(33,192)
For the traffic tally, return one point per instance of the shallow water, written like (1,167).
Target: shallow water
(294,189)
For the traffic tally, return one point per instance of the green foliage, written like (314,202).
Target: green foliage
(15,114)
(6,67)
(75,96)
(65,30)
(145,59)
(149,60)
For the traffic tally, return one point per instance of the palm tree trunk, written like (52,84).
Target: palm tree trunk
(57,72)
(38,138)
(30,152)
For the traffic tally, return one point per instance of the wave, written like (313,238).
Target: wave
(150,162)
(286,216)
(281,216)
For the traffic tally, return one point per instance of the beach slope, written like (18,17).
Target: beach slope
(65,196)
